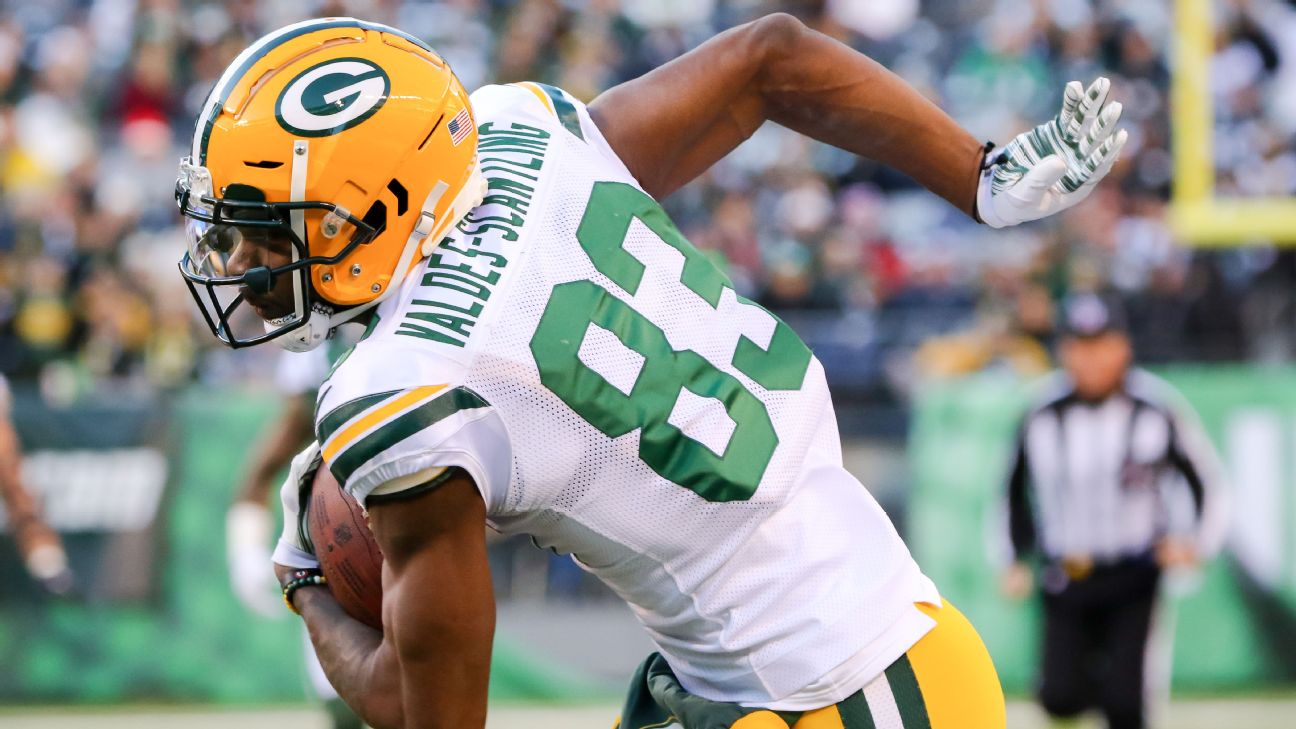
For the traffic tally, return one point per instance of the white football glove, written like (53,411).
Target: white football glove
(293,550)
(1055,165)
(247,549)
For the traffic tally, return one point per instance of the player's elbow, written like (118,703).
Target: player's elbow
(777,35)
(779,45)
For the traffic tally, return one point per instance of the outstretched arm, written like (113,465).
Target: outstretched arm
(674,122)
(671,124)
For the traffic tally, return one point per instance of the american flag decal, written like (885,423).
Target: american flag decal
(460,126)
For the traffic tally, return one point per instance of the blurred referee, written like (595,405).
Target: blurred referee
(1113,483)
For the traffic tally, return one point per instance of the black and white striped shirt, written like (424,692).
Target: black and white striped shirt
(1105,480)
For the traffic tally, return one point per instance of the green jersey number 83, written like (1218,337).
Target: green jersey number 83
(576,306)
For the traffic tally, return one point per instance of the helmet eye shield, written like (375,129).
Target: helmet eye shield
(210,247)
(217,228)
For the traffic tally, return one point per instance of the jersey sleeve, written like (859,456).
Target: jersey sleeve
(385,443)
(559,111)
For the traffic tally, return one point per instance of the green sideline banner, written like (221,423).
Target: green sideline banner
(1236,630)
(139,491)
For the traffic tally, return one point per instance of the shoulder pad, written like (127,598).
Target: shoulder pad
(389,412)
(363,429)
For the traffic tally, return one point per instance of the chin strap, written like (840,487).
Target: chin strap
(318,327)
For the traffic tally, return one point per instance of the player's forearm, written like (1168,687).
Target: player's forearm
(823,89)
(362,668)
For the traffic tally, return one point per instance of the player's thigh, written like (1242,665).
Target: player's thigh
(959,684)
(946,681)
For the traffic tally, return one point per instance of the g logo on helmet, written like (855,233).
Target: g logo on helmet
(332,96)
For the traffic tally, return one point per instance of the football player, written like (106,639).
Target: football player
(546,353)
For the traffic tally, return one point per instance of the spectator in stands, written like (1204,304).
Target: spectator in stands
(96,102)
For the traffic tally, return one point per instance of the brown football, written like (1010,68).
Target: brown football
(346,549)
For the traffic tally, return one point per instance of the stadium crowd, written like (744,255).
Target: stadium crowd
(98,98)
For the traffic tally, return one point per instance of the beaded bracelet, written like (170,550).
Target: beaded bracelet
(299,579)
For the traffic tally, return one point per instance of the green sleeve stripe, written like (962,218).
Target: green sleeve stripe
(330,423)
(403,426)
(908,695)
(565,109)
(855,712)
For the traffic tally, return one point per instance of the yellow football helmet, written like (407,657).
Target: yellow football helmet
(352,140)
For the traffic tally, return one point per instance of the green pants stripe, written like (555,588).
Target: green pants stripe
(908,695)
(855,713)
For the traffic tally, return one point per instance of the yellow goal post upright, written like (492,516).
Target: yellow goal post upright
(1197,216)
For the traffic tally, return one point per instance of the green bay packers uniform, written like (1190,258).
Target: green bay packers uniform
(613,397)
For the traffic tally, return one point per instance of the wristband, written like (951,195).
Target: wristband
(986,161)
(298,579)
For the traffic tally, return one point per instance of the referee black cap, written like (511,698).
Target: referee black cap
(1090,315)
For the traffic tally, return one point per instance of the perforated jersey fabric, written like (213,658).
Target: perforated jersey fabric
(752,594)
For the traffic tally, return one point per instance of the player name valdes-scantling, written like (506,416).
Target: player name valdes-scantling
(468,264)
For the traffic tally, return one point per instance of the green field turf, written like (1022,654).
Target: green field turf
(1257,713)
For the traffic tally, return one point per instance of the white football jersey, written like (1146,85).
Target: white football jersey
(614,399)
